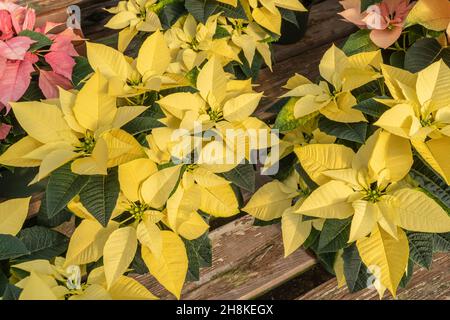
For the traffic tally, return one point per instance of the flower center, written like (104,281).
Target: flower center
(87,144)
(373,194)
(215,115)
(138,209)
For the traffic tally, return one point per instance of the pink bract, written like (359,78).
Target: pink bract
(49,81)
(4,130)
(15,79)
(385,19)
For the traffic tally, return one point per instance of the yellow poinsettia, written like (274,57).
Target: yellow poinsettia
(432,14)
(308,133)
(128,77)
(266,12)
(83,127)
(48,281)
(221,104)
(133,16)
(274,200)
(149,199)
(369,187)
(420,112)
(214,194)
(344,74)
(249,37)
(192,43)
(13,214)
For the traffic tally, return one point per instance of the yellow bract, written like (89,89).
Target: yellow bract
(368,186)
(192,43)
(82,126)
(420,112)
(52,282)
(432,14)
(343,74)
(133,16)
(127,78)
(12,215)
(266,13)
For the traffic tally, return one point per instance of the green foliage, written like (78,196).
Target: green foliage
(100,196)
(62,187)
(243,176)
(359,42)
(286,121)
(356,273)
(423,53)
(40,39)
(81,70)
(42,243)
(199,253)
(334,235)
(11,247)
(421,248)
(355,132)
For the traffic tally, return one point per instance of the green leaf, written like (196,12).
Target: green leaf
(262,223)
(100,196)
(305,177)
(289,16)
(138,265)
(397,59)
(199,253)
(371,107)
(359,42)
(367,3)
(200,9)
(327,260)
(42,243)
(11,292)
(356,273)
(441,242)
(33,92)
(423,53)
(3,282)
(58,219)
(421,248)
(312,239)
(334,235)
(286,121)
(170,13)
(142,124)
(243,175)
(221,32)
(62,187)
(355,132)
(11,247)
(81,70)
(41,40)
(16,184)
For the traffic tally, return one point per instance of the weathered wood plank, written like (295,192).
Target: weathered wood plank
(433,284)
(247,261)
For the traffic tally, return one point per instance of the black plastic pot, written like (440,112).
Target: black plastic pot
(291,33)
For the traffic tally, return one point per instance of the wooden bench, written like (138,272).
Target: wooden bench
(248,260)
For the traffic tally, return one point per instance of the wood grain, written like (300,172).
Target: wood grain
(247,261)
(433,284)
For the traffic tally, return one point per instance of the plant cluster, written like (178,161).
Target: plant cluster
(152,141)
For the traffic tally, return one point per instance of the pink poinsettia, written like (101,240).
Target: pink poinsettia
(21,18)
(15,79)
(385,19)
(18,62)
